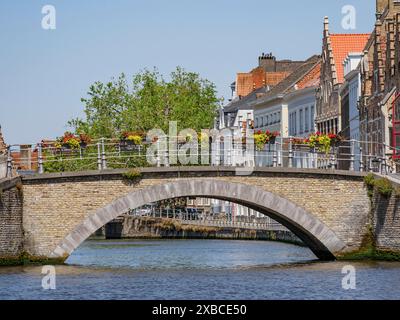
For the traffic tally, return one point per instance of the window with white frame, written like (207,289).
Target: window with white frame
(312,114)
(307,120)
(301,121)
(292,122)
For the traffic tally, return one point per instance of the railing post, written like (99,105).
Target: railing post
(40,158)
(274,158)
(370,168)
(314,158)
(103,155)
(361,160)
(290,164)
(229,157)
(352,156)
(99,166)
(333,162)
(158,153)
(166,153)
(385,167)
(9,163)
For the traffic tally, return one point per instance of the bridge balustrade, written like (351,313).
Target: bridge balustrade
(105,154)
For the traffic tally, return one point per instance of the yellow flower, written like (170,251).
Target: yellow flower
(135,139)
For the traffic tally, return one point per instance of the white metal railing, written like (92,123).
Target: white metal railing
(208,221)
(105,154)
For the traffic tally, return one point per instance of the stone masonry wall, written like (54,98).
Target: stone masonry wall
(11,233)
(130,227)
(54,206)
(386,222)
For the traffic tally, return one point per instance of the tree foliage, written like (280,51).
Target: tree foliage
(148,102)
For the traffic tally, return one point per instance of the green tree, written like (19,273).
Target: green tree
(149,102)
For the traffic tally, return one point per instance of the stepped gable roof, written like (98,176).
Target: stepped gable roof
(342,45)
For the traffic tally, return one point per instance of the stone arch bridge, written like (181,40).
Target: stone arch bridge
(328,210)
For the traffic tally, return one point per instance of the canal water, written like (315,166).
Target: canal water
(200,269)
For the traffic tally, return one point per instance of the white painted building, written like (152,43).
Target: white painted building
(301,112)
(292,115)
(350,93)
(353,81)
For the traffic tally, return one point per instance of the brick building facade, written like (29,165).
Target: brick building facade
(379,70)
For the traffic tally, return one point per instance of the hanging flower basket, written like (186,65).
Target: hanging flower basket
(69,141)
(322,142)
(263,138)
(129,141)
(84,140)
(272,140)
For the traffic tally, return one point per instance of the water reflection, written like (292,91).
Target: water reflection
(199,269)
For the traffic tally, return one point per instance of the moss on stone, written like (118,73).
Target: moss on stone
(368,251)
(370,254)
(132,175)
(25,259)
(384,187)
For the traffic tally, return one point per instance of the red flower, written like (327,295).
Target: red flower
(68,136)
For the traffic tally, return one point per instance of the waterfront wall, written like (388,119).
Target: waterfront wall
(128,227)
(11,232)
(386,221)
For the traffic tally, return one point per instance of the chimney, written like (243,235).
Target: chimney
(267,62)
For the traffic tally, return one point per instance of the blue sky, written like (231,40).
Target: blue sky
(45,73)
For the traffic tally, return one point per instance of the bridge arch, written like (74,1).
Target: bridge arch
(315,234)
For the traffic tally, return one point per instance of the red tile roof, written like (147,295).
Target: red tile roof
(311,79)
(342,45)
